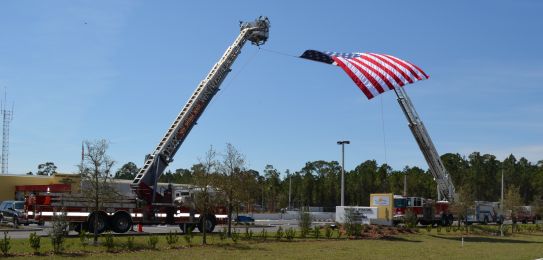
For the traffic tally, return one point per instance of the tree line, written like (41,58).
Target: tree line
(318,182)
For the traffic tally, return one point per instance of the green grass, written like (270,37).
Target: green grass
(413,246)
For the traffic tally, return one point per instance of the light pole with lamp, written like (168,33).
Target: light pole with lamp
(343,143)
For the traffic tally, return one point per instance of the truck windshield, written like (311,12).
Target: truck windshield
(18,205)
(400,203)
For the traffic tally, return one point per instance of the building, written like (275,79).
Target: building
(15,187)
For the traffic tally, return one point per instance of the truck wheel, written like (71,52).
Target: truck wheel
(101,223)
(485,221)
(186,227)
(121,222)
(210,224)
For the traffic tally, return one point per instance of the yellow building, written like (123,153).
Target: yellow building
(384,203)
(9,182)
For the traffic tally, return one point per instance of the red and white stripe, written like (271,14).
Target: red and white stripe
(376,73)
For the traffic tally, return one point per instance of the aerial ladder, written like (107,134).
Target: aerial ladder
(445,187)
(144,184)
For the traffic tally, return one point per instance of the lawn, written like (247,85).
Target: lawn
(423,245)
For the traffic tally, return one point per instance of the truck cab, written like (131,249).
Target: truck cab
(484,212)
(523,214)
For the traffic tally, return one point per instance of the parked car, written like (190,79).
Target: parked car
(523,214)
(244,219)
(12,211)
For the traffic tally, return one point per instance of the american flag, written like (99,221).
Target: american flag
(373,73)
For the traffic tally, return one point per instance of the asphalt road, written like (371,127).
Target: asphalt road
(269,225)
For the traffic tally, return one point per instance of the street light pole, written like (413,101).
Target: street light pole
(343,143)
(289,187)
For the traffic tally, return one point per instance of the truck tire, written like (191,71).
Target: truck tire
(210,224)
(121,222)
(101,224)
(186,227)
(485,220)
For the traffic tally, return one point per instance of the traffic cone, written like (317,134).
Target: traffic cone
(140,227)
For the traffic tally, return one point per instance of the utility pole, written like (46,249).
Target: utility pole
(501,201)
(405,185)
(343,143)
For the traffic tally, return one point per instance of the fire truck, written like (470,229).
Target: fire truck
(150,205)
(428,211)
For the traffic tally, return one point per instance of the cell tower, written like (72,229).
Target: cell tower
(7,116)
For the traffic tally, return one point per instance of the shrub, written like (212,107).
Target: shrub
(438,229)
(316,232)
(130,243)
(188,237)
(290,233)
(264,235)
(83,237)
(448,229)
(5,244)
(339,234)
(327,232)
(222,234)
(34,240)
(248,233)
(279,234)
(172,238)
(429,228)
(235,236)
(109,242)
(152,241)
(410,219)
(357,230)
(57,232)
(304,222)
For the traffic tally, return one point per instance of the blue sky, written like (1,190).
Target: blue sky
(121,70)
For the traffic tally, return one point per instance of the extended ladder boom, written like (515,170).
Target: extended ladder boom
(145,182)
(441,176)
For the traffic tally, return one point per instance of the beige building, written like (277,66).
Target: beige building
(11,184)
(15,187)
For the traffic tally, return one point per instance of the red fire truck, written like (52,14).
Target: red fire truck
(428,212)
(150,205)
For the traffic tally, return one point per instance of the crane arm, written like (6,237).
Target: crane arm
(440,174)
(145,182)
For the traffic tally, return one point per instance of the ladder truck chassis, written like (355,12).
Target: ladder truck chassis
(149,206)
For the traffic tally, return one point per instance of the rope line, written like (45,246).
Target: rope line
(280,53)
(233,78)
(383,127)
